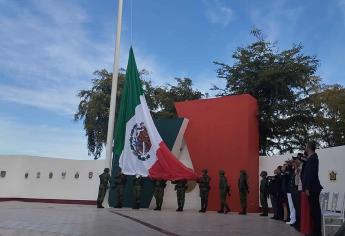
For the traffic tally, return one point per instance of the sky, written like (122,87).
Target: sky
(49,50)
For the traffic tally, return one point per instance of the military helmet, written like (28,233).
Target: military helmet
(263,173)
(222,172)
(107,170)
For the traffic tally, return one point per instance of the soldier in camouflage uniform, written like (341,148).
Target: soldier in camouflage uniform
(159,185)
(180,188)
(103,185)
(204,186)
(264,193)
(224,190)
(243,189)
(120,183)
(138,183)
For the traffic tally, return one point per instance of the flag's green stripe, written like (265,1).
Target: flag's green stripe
(129,100)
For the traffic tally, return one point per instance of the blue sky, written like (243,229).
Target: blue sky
(49,49)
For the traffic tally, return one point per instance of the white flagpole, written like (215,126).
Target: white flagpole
(111,123)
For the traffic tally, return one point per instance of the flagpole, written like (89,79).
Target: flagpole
(111,122)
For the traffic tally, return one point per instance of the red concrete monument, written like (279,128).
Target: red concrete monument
(223,134)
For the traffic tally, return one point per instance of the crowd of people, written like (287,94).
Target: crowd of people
(294,191)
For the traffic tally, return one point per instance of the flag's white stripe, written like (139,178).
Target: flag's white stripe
(153,133)
(129,162)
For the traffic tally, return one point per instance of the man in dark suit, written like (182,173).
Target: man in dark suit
(312,187)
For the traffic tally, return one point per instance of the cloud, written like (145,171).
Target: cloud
(159,74)
(46,51)
(62,100)
(218,13)
(41,140)
(275,18)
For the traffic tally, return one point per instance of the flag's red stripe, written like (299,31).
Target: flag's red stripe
(168,167)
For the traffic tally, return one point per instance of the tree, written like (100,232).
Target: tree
(329,105)
(166,96)
(282,82)
(93,108)
(94,104)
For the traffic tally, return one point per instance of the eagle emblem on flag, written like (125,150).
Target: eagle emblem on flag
(140,141)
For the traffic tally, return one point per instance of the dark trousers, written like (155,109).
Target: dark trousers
(101,194)
(296,198)
(280,209)
(274,205)
(315,211)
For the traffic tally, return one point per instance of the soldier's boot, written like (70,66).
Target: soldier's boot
(221,209)
(243,212)
(264,212)
(178,206)
(227,209)
(159,207)
(205,206)
(136,206)
(99,205)
(202,207)
(119,205)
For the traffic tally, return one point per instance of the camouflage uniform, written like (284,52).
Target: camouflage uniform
(224,190)
(180,188)
(243,189)
(159,192)
(204,186)
(103,185)
(138,183)
(264,193)
(120,182)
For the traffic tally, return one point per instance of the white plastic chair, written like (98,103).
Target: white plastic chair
(324,199)
(333,214)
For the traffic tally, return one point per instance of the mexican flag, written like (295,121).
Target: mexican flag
(137,141)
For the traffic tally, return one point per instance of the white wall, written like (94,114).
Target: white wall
(330,159)
(14,185)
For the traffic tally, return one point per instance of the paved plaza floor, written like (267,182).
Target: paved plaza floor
(38,219)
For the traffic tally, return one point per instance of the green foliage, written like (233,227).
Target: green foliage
(93,110)
(329,105)
(168,95)
(94,104)
(282,82)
